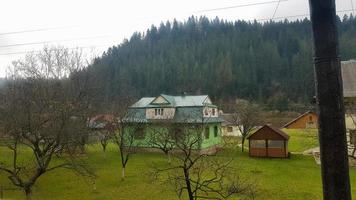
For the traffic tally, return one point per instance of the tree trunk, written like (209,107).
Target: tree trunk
(104,147)
(123,173)
(187,183)
(28,192)
(242,144)
(169,157)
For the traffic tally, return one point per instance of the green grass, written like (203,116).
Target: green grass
(301,140)
(294,178)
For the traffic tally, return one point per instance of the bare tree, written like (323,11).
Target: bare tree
(246,117)
(103,127)
(197,175)
(161,137)
(43,110)
(129,128)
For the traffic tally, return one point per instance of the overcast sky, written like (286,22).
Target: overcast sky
(98,24)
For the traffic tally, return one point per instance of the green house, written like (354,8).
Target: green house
(165,117)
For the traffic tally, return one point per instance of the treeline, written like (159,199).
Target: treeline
(270,63)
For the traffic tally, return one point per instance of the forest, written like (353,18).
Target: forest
(270,63)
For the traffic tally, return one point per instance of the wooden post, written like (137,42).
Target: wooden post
(332,130)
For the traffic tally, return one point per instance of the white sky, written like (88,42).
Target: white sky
(98,24)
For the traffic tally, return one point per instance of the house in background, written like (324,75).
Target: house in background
(308,120)
(348,72)
(229,126)
(100,121)
(176,114)
(268,141)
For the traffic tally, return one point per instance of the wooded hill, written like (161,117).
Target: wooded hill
(268,62)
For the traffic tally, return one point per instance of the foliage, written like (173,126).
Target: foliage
(44,109)
(269,63)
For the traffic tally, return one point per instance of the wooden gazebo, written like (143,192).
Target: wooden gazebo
(268,141)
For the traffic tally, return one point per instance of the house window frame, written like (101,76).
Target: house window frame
(207,133)
(257,143)
(230,129)
(216,131)
(139,133)
(159,111)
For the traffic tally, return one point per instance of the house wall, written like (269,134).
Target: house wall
(168,113)
(272,152)
(212,141)
(279,150)
(309,120)
(235,131)
(208,112)
(152,129)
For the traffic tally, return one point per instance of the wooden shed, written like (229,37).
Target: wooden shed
(268,141)
(306,120)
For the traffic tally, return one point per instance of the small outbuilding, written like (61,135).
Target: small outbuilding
(305,121)
(268,141)
(229,126)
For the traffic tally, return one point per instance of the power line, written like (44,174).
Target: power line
(275,10)
(240,6)
(24,52)
(35,30)
(352,6)
(294,16)
(51,41)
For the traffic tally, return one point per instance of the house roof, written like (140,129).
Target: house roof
(175,101)
(348,71)
(100,121)
(229,119)
(296,119)
(276,130)
(189,109)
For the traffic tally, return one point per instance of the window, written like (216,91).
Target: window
(206,112)
(178,134)
(139,134)
(275,144)
(258,144)
(206,133)
(213,111)
(159,112)
(216,131)
(229,129)
(310,118)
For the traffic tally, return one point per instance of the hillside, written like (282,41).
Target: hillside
(269,63)
(2,82)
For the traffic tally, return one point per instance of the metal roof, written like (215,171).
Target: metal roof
(348,71)
(175,101)
(189,109)
(276,130)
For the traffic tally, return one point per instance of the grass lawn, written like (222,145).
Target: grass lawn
(294,178)
(301,140)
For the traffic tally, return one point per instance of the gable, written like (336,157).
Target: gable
(207,101)
(302,120)
(160,100)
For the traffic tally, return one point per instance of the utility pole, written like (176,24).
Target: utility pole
(332,130)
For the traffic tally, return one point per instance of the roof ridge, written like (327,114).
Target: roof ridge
(295,119)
